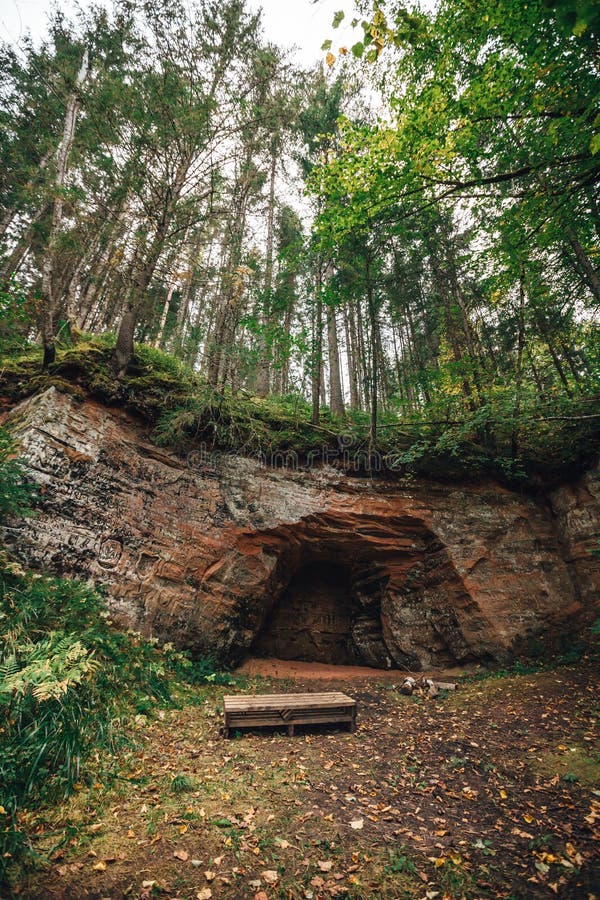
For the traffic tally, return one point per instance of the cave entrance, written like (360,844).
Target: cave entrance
(314,619)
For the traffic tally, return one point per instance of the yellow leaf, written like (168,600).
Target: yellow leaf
(330,59)
(440,862)
(528,818)
(503,794)
(99,867)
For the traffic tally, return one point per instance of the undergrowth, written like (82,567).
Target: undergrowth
(70,682)
(555,441)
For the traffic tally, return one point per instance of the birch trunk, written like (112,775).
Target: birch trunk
(47,298)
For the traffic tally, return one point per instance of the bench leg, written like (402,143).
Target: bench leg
(352,723)
(290,730)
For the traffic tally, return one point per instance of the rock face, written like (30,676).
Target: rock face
(223,556)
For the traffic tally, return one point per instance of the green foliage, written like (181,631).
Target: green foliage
(399,861)
(182,784)
(445,438)
(15,494)
(16,312)
(67,682)
(68,679)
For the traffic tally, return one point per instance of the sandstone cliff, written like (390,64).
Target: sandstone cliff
(222,555)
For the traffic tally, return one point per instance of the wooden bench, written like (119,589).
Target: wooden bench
(289,710)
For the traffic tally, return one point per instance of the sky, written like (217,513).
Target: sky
(302,23)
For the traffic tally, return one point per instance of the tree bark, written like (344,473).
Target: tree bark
(317,348)
(263,380)
(591,275)
(165,313)
(336,399)
(47,298)
(374,354)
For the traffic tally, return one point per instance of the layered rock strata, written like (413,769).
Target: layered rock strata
(223,555)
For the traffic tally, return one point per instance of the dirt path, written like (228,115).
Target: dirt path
(311,671)
(489,793)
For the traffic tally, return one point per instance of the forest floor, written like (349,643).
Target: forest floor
(493,791)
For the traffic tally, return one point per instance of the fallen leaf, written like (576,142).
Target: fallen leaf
(325,865)
(99,867)
(270,876)
(357,824)
(210,876)
(204,894)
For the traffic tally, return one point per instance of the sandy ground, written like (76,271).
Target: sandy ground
(295,669)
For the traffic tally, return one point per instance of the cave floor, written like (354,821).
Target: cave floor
(490,792)
(311,671)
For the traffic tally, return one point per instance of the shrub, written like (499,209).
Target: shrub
(68,679)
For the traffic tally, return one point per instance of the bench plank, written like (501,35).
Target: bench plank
(288,709)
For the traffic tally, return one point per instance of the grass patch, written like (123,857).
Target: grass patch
(574,763)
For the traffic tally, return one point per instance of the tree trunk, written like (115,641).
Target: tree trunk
(317,349)
(591,275)
(352,358)
(336,399)
(264,369)
(514,438)
(374,369)
(47,298)
(165,313)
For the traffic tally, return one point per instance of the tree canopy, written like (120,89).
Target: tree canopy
(406,235)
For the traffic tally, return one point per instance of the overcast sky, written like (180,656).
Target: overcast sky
(286,22)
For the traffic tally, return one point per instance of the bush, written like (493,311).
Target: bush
(68,679)
(16,494)
(68,682)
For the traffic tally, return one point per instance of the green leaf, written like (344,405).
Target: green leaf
(358,49)
(338,18)
(595,144)
(326,45)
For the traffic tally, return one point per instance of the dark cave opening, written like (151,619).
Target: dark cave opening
(321,616)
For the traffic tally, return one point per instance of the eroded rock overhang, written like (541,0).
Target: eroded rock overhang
(201,551)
